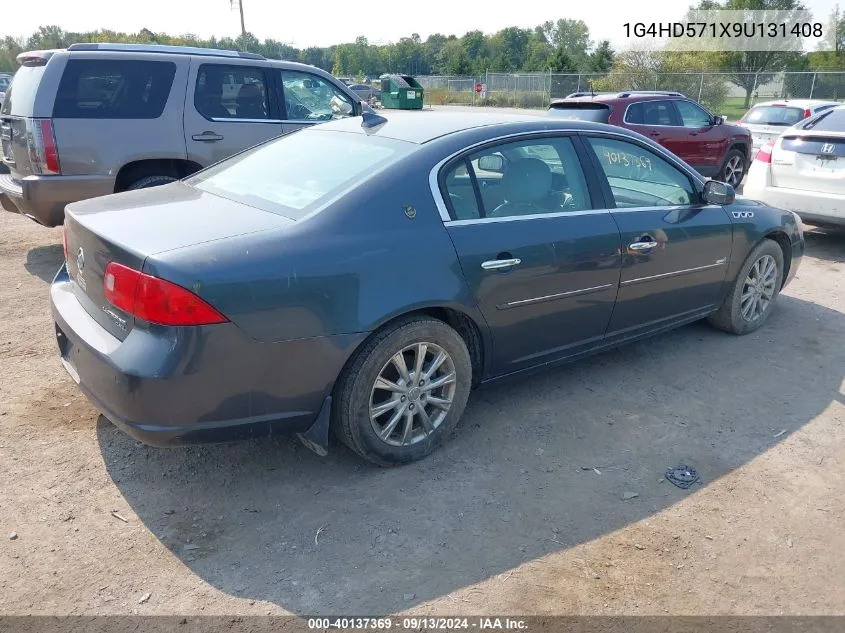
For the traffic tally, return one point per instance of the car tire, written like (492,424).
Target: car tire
(733,168)
(150,181)
(363,413)
(748,304)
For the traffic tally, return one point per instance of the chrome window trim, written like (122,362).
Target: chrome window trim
(440,203)
(532,216)
(235,120)
(552,297)
(674,273)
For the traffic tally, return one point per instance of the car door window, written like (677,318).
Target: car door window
(538,176)
(693,116)
(231,92)
(650,113)
(639,177)
(312,98)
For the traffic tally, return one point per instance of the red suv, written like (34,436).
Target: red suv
(712,147)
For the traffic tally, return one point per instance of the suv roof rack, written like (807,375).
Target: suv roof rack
(582,93)
(665,93)
(161,48)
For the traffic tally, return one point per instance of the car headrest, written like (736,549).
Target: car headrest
(250,91)
(526,180)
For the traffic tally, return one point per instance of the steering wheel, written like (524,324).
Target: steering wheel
(297,110)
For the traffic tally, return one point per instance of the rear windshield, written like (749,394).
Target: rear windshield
(20,96)
(295,174)
(773,115)
(828,121)
(596,112)
(113,89)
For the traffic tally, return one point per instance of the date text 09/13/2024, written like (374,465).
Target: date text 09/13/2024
(418,623)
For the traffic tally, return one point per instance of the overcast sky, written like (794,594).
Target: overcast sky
(324,22)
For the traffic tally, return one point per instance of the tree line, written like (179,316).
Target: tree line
(562,46)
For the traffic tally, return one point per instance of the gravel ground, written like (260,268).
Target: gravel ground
(548,500)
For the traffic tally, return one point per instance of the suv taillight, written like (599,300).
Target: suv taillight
(155,300)
(765,153)
(43,153)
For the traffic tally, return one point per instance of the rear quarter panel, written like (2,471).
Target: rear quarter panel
(349,268)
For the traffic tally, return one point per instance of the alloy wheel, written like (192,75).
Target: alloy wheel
(733,171)
(412,394)
(758,290)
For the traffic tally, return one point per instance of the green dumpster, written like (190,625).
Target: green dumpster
(401,92)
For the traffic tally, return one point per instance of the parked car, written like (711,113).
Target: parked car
(367,93)
(99,118)
(5,80)
(364,274)
(803,169)
(767,120)
(703,140)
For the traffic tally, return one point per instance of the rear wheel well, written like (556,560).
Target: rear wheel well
(742,147)
(134,171)
(782,240)
(461,323)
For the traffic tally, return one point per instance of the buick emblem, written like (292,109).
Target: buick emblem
(828,148)
(80,259)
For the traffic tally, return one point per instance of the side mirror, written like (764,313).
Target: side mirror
(719,120)
(492,162)
(716,192)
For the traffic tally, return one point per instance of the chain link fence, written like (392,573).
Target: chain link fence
(730,93)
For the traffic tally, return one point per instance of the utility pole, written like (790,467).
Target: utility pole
(240,5)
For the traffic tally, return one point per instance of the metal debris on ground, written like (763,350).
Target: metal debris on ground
(682,476)
(144,598)
(779,433)
(117,516)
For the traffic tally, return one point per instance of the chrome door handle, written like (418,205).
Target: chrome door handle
(642,246)
(207,136)
(497,264)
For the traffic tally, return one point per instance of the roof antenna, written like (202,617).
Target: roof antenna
(371,119)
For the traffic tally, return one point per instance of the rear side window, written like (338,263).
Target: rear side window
(595,112)
(650,113)
(113,89)
(231,92)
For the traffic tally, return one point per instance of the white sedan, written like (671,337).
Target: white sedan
(803,170)
(767,120)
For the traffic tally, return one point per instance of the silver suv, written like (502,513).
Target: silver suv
(96,119)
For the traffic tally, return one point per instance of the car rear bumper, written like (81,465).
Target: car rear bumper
(43,198)
(167,385)
(813,207)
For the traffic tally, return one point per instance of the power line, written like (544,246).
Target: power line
(240,5)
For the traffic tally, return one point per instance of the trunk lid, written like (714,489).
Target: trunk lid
(810,162)
(129,227)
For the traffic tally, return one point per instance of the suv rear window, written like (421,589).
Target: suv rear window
(20,95)
(595,112)
(828,121)
(113,89)
(773,115)
(650,113)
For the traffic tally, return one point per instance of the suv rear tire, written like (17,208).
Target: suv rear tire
(150,181)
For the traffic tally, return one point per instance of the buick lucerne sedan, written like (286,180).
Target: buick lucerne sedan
(362,276)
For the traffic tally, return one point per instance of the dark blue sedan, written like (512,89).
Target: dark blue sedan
(362,276)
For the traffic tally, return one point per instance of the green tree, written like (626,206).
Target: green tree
(571,35)
(601,59)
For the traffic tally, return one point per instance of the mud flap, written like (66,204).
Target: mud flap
(316,437)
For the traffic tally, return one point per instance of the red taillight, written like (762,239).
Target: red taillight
(765,153)
(43,153)
(64,239)
(156,300)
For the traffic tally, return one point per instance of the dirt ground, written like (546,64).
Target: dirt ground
(523,512)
